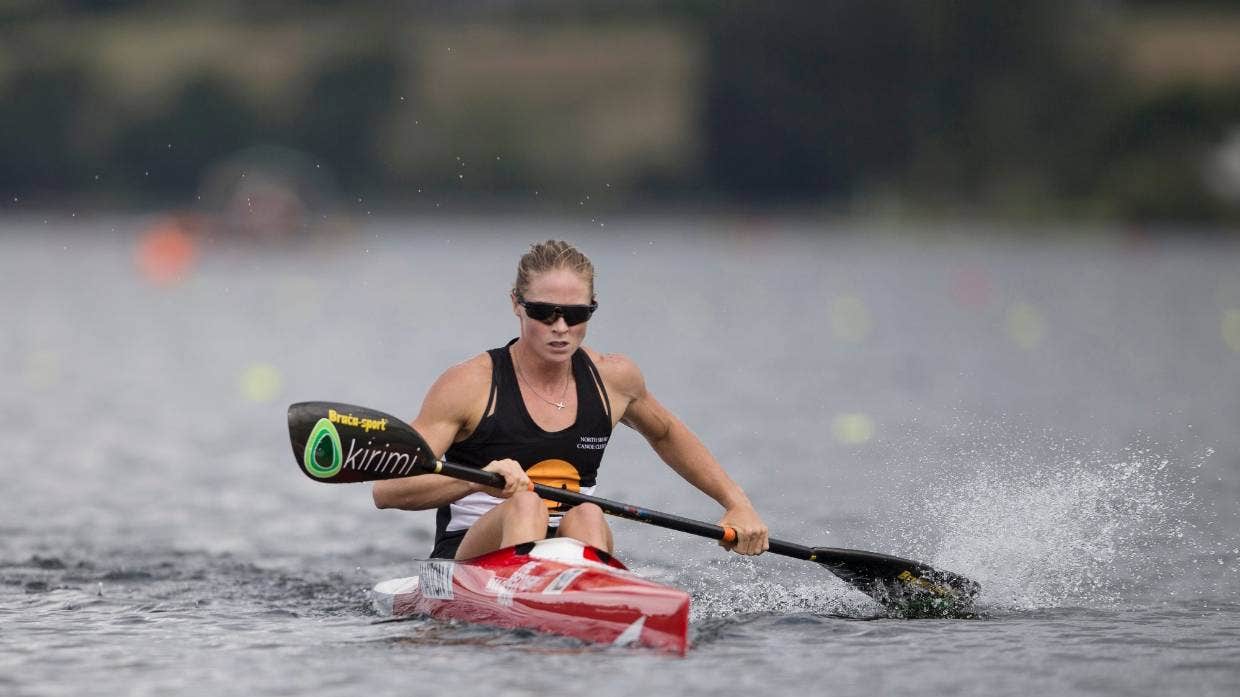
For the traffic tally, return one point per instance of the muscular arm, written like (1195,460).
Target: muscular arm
(685,453)
(452,405)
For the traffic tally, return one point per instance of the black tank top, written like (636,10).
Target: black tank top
(569,458)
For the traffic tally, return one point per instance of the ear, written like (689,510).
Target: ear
(516,309)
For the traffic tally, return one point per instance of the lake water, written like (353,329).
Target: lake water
(1053,415)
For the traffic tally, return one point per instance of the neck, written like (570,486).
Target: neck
(542,372)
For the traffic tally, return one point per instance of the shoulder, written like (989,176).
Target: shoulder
(454,404)
(460,386)
(473,369)
(619,372)
(632,403)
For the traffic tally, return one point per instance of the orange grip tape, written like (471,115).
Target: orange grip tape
(729,535)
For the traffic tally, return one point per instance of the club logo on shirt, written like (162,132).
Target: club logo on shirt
(592,442)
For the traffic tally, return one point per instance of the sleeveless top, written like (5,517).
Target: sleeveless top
(565,459)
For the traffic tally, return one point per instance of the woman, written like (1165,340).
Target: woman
(542,409)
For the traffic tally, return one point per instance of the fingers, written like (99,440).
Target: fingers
(515,478)
(755,542)
(748,542)
(751,535)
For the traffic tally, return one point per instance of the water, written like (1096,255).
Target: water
(1054,418)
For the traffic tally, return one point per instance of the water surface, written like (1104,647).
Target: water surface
(1053,416)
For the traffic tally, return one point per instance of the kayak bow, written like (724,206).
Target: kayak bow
(559,585)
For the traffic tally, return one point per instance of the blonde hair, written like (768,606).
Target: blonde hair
(549,255)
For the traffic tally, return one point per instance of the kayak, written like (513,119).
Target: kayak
(559,585)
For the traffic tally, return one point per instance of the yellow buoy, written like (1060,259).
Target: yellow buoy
(853,429)
(261,382)
(1231,329)
(1025,325)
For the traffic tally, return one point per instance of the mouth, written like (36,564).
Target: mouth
(559,345)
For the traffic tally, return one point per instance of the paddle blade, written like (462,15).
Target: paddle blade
(341,443)
(905,588)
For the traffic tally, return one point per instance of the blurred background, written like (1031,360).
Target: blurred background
(943,213)
(954,280)
(279,115)
(959,210)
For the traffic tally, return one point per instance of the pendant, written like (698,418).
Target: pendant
(560,406)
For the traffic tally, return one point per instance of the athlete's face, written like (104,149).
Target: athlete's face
(555,341)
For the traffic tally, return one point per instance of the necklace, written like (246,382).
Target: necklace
(558,405)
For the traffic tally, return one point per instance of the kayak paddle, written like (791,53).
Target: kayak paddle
(341,443)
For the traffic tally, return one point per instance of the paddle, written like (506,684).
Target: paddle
(340,443)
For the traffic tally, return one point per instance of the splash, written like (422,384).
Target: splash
(1063,530)
(736,587)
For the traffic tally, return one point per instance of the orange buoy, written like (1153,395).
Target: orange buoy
(166,251)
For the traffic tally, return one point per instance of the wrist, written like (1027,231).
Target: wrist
(737,500)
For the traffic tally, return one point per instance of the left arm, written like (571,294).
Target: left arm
(685,453)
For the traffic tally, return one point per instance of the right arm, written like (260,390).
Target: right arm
(450,412)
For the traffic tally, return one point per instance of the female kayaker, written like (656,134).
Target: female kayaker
(542,409)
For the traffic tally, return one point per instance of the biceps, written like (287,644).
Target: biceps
(439,433)
(649,418)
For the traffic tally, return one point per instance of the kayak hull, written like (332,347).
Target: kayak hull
(560,585)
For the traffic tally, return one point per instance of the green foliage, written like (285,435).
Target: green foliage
(832,98)
(1154,156)
(343,112)
(166,153)
(39,117)
(1014,107)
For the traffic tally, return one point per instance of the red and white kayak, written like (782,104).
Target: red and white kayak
(559,585)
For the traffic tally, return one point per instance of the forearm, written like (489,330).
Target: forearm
(685,453)
(420,493)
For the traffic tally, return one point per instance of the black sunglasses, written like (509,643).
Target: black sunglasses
(546,312)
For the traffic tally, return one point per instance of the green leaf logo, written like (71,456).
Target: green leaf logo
(323,456)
